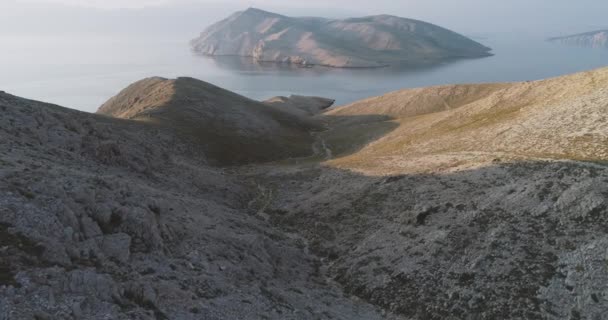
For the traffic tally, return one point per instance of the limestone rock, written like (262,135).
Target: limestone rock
(117,246)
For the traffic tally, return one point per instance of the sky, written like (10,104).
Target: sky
(471,17)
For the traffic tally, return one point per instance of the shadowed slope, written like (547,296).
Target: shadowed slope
(501,241)
(300,105)
(232,128)
(105,218)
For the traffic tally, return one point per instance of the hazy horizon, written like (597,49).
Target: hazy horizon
(543,18)
(79,53)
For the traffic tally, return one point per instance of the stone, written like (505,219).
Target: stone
(117,246)
(90,283)
(89,227)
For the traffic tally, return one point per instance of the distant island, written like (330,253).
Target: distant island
(368,42)
(593,39)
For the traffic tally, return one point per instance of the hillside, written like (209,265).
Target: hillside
(479,201)
(594,39)
(231,128)
(104,218)
(472,201)
(374,41)
(560,118)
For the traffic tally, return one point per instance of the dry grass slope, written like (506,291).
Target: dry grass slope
(560,118)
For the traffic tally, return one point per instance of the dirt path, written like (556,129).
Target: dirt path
(319,146)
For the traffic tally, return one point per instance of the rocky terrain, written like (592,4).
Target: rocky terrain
(482,201)
(367,42)
(104,218)
(594,39)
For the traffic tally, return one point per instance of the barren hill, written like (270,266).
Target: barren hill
(231,128)
(562,118)
(373,41)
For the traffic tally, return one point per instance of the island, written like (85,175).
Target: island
(368,42)
(593,39)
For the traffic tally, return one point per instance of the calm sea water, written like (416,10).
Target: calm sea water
(83,72)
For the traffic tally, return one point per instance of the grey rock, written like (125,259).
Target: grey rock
(89,283)
(41,315)
(89,227)
(77,311)
(102,214)
(55,253)
(117,246)
(142,293)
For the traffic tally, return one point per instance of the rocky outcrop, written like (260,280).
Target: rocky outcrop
(594,39)
(374,41)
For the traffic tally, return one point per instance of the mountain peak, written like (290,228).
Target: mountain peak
(259,133)
(253,9)
(259,12)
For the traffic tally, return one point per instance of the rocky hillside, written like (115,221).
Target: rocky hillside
(105,218)
(462,202)
(374,41)
(230,128)
(479,201)
(594,39)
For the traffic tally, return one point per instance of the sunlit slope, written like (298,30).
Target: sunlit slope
(562,118)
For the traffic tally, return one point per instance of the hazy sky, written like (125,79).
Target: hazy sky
(472,17)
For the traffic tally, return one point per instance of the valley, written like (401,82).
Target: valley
(182,200)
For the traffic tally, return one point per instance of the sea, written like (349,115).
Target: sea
(82,72)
